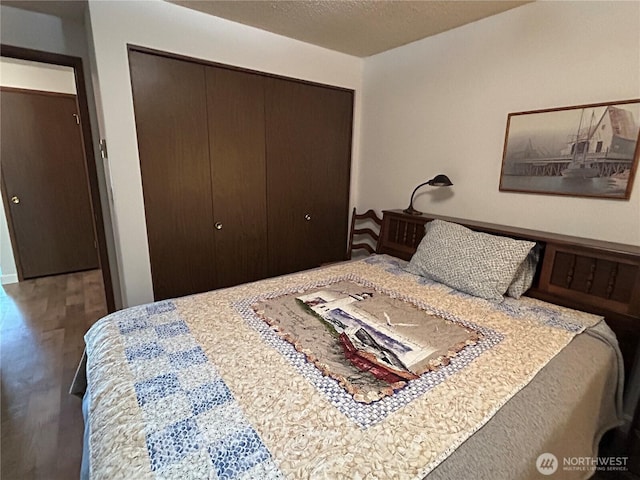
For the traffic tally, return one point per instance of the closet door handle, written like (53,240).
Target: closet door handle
(307,217)
(218,226)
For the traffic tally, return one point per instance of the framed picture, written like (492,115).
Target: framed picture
(583,151)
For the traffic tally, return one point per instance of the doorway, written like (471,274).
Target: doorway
(71,229)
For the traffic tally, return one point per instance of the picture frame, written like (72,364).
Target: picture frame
(583,151)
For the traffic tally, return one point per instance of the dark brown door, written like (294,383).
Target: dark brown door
(308,138)
(235,102)
(44,184)
(170,105)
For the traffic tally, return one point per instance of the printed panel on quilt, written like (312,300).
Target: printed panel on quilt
(368,413)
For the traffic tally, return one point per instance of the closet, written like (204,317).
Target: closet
(308,133)
(244,175)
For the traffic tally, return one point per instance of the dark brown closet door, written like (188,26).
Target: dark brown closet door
(235,102)
(309,157)
(169,98)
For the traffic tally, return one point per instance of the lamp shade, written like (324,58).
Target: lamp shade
(440,181)
(437,181)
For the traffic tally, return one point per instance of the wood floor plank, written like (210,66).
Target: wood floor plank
(42,325)
(42,417)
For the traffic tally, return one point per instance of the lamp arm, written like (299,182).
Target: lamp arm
(437,181)
(415,190)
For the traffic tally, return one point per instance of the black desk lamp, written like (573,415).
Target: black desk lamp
(437,181)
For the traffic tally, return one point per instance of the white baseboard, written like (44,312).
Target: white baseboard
(9,278)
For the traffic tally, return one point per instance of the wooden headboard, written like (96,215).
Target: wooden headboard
(588,275)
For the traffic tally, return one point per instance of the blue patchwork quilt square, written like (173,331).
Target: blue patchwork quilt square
(156,388)
(209,395)
(173,443)
(236,453)
(131,325)
(145,351)
(167,330)
(187,358)
(160,307)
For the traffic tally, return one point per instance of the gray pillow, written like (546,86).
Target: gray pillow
(523,279)
(473,262)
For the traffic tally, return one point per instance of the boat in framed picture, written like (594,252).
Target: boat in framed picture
(585,151)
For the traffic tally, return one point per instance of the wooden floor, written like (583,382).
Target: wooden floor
(42,324)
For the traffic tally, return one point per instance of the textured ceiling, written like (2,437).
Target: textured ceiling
(356,27)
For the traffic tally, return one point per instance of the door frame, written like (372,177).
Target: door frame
(89,160)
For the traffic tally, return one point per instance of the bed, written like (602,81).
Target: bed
(248,382)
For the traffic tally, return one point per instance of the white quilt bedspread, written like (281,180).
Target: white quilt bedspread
(202,387)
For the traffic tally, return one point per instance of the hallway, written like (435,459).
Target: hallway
(42,324)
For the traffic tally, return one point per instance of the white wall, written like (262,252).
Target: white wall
(47,33)
(38,31)
(168,27)
(32,76)
(440,105)
(8,271)
(36,76)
